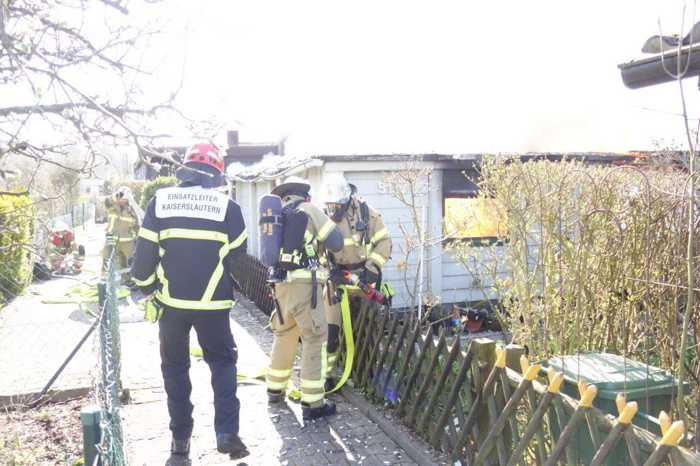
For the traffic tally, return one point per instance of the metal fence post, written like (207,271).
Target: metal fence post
(90,419)
(111,447)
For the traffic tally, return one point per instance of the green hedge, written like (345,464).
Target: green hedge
(16,228)
(150,188)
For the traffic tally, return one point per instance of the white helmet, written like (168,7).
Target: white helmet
(125,193)
(335,189)
(293,184)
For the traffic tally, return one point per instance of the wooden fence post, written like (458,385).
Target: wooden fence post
(513,353)
(484,358)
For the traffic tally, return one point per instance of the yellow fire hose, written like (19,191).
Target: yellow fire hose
(257,376)
(293,392)
(349,340)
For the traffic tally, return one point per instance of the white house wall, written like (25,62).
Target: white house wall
(399,272)
(394,213)
(443,274)
(473,278)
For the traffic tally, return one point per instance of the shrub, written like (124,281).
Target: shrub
(594,260)
(16,229)
(595,257)
(150,188)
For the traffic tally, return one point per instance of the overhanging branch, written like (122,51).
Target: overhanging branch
(61,107)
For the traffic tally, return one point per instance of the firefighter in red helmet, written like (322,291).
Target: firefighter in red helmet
(190,239)
(64,256)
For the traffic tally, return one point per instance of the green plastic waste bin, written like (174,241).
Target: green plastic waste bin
(652,388)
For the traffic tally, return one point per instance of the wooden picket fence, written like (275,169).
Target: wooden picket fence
(485,405)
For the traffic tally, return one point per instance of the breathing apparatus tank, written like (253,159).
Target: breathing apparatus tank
(271,229)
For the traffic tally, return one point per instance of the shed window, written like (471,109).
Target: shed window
(467,215)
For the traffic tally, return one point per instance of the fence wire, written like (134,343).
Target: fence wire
(78,215)
(112,451)
(38,331)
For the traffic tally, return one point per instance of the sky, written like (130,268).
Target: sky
(429,76)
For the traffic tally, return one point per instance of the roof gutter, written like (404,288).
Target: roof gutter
(661,68)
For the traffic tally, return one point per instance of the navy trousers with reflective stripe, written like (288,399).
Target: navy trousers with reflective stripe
(213,330)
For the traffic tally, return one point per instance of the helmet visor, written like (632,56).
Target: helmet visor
(335,191)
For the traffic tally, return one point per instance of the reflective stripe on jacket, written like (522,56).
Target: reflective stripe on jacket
(375,251)
(122,224)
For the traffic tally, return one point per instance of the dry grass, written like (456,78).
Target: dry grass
(48,435)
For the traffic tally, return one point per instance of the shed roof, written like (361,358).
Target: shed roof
(273,167)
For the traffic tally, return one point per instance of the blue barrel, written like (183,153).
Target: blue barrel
(271,226)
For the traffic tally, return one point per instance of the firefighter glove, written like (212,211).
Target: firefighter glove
(152,311)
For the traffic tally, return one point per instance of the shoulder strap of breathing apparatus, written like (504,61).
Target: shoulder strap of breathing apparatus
(363,226)
(295,253)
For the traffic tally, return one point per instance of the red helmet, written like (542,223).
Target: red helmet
(208,154)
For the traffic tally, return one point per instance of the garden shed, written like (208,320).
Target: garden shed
(445,189)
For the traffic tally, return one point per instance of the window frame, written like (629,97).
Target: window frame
(471,177)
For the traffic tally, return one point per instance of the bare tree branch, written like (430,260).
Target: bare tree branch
(60,108)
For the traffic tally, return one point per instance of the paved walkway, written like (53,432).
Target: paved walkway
(274,435)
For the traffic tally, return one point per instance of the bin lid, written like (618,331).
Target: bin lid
(607,372)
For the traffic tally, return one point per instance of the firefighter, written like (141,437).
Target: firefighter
(64,256)
(124,218)
(190,239)
(298,293)
(366,248)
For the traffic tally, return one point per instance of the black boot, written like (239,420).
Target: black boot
(179,453)
(309,413)
(231,444)
(275,396)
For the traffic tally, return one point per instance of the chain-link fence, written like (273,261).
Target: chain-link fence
(81,218)
(81,214)
(39,330)
(59,340)
(41,326)
(108,384)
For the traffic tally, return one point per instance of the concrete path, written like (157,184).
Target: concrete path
(274,435)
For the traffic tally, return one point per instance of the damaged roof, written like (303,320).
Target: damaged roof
(272,167)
